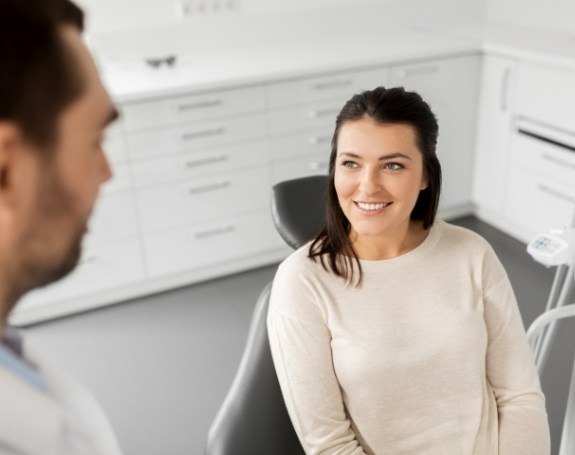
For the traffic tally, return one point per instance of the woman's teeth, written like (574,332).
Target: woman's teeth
(371,206)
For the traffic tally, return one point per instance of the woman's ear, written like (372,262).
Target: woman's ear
(424,183)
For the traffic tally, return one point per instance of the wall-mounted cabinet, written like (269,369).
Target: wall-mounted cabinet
(525,161)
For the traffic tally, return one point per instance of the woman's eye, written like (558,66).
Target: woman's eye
(350,164)
(393,166)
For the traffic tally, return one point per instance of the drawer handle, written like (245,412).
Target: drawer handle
(547,140)
(189,164)
(332,84)
(198,105)
(318,165)
(318,113)
(315,140)
(556,193)
(204,133)
(552,159)
(504,89)
(402,74)
(199,235)
(191,190)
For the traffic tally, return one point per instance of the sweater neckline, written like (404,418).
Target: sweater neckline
(411,257)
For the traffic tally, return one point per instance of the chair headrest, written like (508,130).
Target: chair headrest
(298,208)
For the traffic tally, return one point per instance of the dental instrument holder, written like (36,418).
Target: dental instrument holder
(556,249)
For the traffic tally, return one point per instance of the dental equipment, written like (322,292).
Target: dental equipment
(557,248)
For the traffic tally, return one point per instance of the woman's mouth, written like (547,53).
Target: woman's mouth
(372,208)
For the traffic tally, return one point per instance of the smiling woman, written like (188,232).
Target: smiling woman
(394,332)
(377,187)
(383,152)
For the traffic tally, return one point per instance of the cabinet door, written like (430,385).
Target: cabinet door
(535,204)
(496,100)
(450,88)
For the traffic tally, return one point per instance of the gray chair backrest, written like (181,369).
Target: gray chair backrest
(253,419)
(298,208)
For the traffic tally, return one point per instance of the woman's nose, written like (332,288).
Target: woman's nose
(370,182)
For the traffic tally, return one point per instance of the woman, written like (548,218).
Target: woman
(393,332)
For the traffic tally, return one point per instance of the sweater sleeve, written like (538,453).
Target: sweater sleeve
(511,371)
(300,345)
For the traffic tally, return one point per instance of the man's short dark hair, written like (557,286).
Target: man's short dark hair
(39,74)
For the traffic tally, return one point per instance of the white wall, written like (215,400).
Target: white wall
(556,15)
(105,16)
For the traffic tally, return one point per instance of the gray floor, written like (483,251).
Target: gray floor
(161,366)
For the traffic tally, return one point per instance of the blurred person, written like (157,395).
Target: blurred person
(393,332)
(53,114)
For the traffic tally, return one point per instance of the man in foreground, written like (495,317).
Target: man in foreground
(53,113)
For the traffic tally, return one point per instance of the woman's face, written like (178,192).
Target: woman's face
(378,176)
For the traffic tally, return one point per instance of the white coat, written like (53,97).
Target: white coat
(67,421)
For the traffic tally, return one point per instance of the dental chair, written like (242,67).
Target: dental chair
(253,419)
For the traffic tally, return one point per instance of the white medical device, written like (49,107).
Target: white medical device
(557,248)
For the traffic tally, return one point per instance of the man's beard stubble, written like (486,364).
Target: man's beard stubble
(51,244)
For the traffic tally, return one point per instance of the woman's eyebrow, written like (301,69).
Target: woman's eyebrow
(381,158)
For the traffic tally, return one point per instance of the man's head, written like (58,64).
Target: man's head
(53,113)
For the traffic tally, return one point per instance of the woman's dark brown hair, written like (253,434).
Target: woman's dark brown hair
(39,76)
(332,245)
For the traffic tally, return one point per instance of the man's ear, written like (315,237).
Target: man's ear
(11,147)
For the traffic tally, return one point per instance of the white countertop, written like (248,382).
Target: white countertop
(134,81)
(300,49)
(529,44)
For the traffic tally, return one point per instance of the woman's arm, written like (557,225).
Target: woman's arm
(511,371)
(300,344)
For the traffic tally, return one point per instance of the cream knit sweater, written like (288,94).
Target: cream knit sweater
(428,356)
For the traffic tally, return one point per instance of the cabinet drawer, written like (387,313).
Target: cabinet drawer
(314,142)
(196,136)
(530,148)
(185,203)
(102,268)
(339,87)
(313,115)
(205,244)
(547,95)
(199,164)
(113,219)
(535,204)
(193,108)
(313,165)
(423,78)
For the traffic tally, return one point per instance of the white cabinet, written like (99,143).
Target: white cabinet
(536,203)
(302,117)
(188,201)
(494,123)
(547,95)
(193,173)
(449,86)
(525,159)
(541,195)
(219,240)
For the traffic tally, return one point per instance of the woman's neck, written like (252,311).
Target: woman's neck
(390,245)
